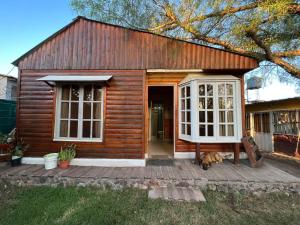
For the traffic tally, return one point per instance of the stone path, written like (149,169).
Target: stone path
(177,194)
(184,173)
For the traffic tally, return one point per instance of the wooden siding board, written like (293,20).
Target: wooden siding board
(123,126)
(92,45)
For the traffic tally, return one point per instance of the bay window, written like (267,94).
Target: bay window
(79,113)
(214,109)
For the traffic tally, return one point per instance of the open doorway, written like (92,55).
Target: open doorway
(161,122)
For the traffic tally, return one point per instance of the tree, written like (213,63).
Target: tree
(267,30)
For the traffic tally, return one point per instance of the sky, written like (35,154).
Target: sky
(25,23)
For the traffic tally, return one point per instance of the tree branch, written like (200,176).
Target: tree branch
(290,53)
(275,57)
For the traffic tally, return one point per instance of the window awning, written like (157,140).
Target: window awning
(53,79)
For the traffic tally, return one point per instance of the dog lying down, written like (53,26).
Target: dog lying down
(208,158)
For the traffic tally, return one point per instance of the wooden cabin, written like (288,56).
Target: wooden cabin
(275,125)
(123,95)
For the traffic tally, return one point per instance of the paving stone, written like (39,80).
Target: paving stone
(177,194)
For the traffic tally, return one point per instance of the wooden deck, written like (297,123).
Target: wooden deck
(183,173)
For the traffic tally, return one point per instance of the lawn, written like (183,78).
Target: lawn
(47,205)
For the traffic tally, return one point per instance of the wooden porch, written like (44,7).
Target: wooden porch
(182,173)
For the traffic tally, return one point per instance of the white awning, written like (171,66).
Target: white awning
(52,79)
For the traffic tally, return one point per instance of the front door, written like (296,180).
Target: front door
(160,123)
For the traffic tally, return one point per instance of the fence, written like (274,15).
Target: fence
(7,116)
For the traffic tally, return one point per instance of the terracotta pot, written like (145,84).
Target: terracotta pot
(64,164)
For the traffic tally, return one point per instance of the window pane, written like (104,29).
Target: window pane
(188,129)
(188,104)
(202,130)
(74,110)
(230,116)
(183,104)
(75,93)
(221,89)
(86,110)
(210,116)
(221,103)
(202,90)
(97,111)
(229,89)
(222,130)
(64,114)
(87,96)
(230,130)
(183,128)
(229,104)
(96,129)
(86,129)
(188,116)
(210,130)
(210,103)
(201,103)
(188,91)
(222,117)
(210,90)
(182,116)
(73,128)
(97,93)
(183,92)
(63,128)
(65,92)
(202,116)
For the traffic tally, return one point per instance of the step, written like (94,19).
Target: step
(177,194)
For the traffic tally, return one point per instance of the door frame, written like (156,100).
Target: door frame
(146,111)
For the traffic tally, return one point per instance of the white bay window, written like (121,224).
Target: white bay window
(79,113)
(213,104)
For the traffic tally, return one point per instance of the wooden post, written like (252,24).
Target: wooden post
(198,159)
(236,153)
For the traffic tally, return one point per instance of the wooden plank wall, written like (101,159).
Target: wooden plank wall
(86,44)
(124,115)
(181,145)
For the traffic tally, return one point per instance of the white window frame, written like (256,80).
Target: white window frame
(185,110)
(237,109)
(58,90)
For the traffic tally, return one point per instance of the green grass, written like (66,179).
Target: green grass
(46,205)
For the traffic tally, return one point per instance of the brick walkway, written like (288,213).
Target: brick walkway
(183,173)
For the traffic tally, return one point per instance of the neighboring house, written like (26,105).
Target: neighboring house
(8,87)
(275,125)
(97,85)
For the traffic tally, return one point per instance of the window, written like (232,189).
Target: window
(79,114)
(210,110)
(286,122)
(185,111)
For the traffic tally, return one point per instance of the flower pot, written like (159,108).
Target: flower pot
(16,161)
(64,164)
(51,161)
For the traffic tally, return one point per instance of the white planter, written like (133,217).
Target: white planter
(51,161)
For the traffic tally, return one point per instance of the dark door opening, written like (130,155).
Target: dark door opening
(161,122)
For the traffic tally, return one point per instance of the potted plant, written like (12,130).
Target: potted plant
(17,149)
(66,154)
